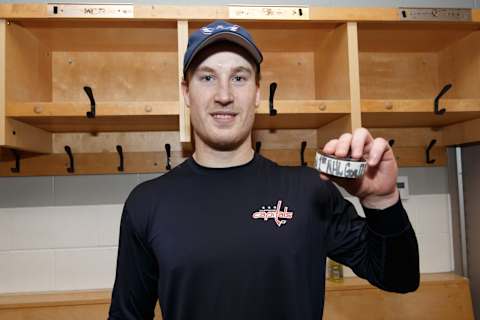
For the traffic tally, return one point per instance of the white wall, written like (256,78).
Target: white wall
(58,248)
(430,215)
(75,247)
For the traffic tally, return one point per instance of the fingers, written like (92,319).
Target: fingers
(377,150)
(361,144)
(330,146)
(343,145)
(339,147)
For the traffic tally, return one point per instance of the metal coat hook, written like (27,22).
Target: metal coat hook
(391,142)
(273,88)
(258,146)
(437,98)
(167,148)
(302,153)
(17,161)
(427,151)
(120,154)
(89,92)
(71,168)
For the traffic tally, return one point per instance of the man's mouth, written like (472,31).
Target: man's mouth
(223,116)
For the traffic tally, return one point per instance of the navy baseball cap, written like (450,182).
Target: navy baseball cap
(219,30)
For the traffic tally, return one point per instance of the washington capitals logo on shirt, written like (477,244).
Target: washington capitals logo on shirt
(275,213)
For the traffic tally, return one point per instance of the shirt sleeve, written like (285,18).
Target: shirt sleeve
(134,293)
(381,248)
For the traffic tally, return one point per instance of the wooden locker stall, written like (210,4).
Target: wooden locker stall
(129,66)
(416,81)
(133,68)
(305,86)
(325,72)
(92,76)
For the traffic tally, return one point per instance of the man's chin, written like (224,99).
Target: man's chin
(223,140)
(224,145)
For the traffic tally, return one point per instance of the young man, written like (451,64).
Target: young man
(229,234)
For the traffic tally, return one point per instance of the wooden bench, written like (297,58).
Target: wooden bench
(440,296)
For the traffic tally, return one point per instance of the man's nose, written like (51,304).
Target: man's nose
(224,95)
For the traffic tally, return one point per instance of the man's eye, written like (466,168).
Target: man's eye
(207,78)
(238,78)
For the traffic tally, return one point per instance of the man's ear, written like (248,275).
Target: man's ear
(186,97)
(257,96)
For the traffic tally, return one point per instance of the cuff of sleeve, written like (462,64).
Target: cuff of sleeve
(388,221)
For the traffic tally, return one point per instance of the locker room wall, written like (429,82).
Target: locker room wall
(61,233)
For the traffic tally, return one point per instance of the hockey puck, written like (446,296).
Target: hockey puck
(340,167)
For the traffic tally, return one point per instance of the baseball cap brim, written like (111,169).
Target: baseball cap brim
(226,36)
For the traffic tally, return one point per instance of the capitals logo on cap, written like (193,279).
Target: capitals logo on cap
(208,31)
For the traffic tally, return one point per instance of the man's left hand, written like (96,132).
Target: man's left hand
(378,187)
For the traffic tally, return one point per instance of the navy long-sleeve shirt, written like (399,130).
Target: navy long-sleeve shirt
(250,242)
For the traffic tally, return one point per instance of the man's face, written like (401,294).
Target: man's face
(222,96)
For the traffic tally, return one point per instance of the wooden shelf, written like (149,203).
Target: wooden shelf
(417,112)
(110,116)
(104,123)
(303,98)
(403,67)
(50,61)
(291,114)
(294,121)
(419,105)
(134,162)
(152,12)
(163,116)
(92,163)
(143,152)
(172,12)
(107,162)
(300,114)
